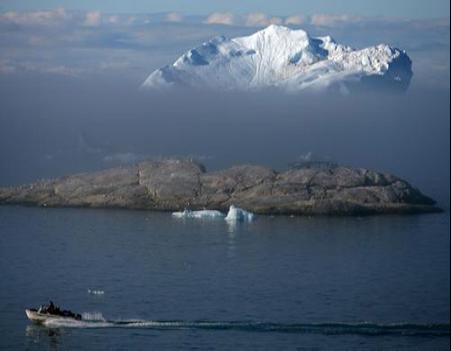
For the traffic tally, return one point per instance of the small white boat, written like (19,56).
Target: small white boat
(40,317)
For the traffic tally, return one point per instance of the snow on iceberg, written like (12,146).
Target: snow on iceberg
(289,60)
(237,214)
(202,214)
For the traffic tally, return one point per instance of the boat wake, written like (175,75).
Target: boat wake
(365,328)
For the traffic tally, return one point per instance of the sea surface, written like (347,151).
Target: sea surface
(148,281)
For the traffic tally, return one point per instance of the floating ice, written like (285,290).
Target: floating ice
(285,59)
(96,292)
(237,214)
(202,214)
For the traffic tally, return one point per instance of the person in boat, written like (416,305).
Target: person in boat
(51,308)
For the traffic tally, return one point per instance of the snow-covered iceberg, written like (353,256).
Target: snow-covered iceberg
(282,58)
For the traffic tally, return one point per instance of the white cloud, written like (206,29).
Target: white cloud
(322,20)
(93,18)
(174,17)
(295,20)
(256,19)
(51,17)
(226,18)
(113,19)
(275,20)
(59,42)
(260,19)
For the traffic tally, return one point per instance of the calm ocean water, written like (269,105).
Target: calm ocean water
(148,281)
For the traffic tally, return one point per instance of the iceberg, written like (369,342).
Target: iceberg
(202,214)
(278,57)
(237,214)
(96,292)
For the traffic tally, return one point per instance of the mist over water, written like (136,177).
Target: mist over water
(52,126)
(90,113)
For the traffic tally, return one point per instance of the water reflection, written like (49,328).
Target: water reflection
(40,335)
(231,240)
(232,226)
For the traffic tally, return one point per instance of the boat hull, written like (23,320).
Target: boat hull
(36,317)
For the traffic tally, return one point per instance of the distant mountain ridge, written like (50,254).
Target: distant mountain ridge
(290,60)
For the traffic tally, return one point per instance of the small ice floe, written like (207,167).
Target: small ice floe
(237,214)
(202,214)
(96,292)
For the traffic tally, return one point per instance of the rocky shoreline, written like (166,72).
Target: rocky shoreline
(174,185)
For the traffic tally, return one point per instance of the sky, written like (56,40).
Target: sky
(389,8)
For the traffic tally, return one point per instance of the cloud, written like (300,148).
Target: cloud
(174,17)
(93,19)
(77,43)
(226,18)
(46,18)
(6,67)
(295,20)
(260,19)
(54,69)
(256,19)
(9,67)
(322,20)
(113,19)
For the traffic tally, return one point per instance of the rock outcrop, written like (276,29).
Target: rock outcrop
(174,185)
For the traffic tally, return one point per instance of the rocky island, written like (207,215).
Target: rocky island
(173,185)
